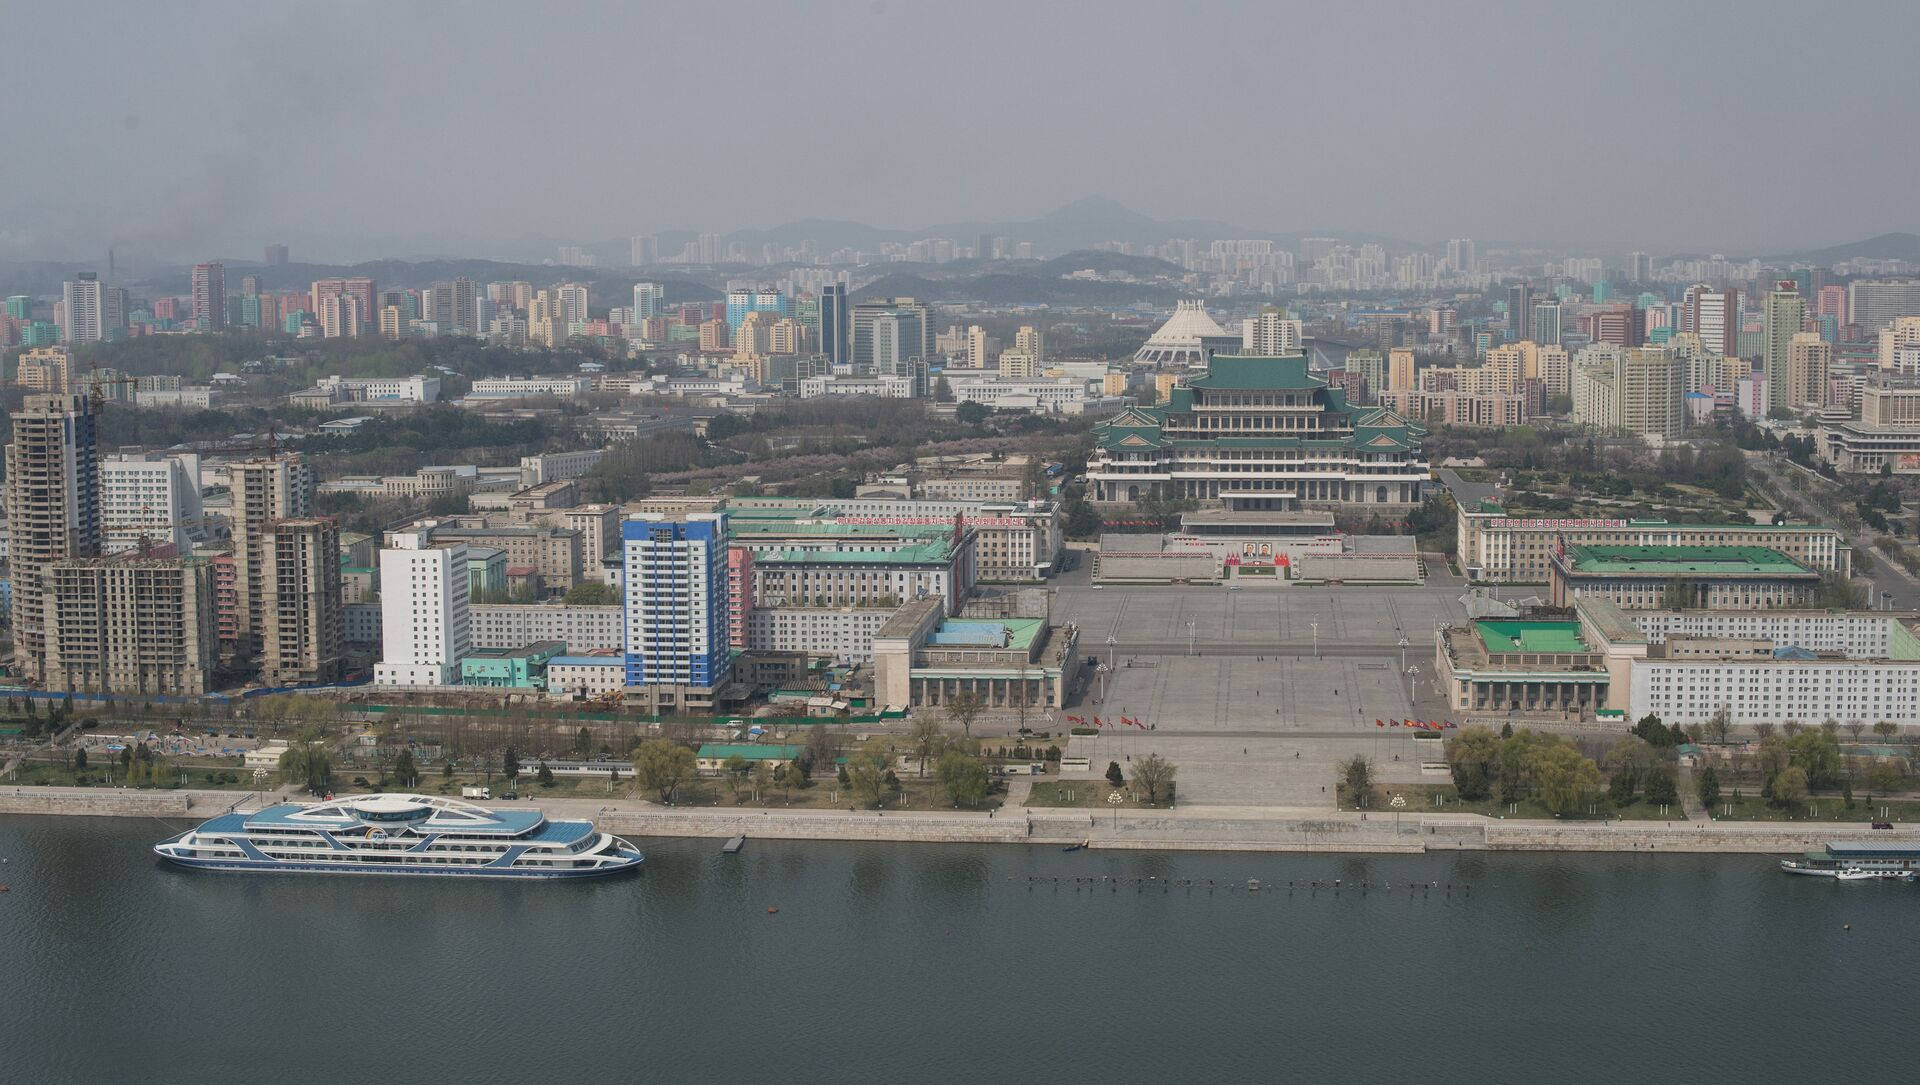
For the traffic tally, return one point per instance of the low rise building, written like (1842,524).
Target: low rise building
(581,628)
(922,659)
(1497,548)
(586,676)
(1709,577)
(509,668)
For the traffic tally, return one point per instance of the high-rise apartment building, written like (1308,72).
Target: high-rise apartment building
(344,308)
(1271,334)
(570,301)
(129,625)
(425,623)
(676,600)
(889,333)
(1809,359)
(300,615)
(1034,342)
(85,319)
(1639,267)
(1874,303)
(834,317)
(210,297)
(150,500)
(649,301)
(762,299)
(1460,256)
(1785,311)
(1519,310)
(1714,316)
(1400,369)
(1897,340)
(44,369)
(977,349)
(1621,325)
(264,490)
(1546,322)
(52,507)
(1639,390)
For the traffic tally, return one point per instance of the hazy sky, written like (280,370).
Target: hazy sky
(356,130)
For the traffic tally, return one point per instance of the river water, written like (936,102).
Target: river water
(899,964)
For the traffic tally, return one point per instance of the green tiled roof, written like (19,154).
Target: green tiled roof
(720,751)
(1682,560)
(1248,371)
(1499,636)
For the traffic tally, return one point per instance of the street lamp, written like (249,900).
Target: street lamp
(1190,636)
(1316,638)
(1110,643)
(1403,653)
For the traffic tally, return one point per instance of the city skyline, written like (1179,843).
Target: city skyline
(213,137)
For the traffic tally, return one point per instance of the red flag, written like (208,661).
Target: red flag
(1377,723)
(1097,723)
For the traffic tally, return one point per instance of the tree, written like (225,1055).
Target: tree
(1855,727)
(866,782)
(1155,773)
(1720,723)
(735,766)
(1653,732)
(820,747)
(446,769)
(1818,755)
(1837,592)
(963,777)
(1707,783)
(964,709)
(1661,790)
(80,757)
(1114,776)
(1678,595)
(1885,728)
(592,593)
(971,414)
(927,740)
(762,777)
(1356,781)
(544,775)
(308,764)
(404,772)
(1566,780)
(1790,786)
(1473,754)
(583,745)
(662,766)
(510,764)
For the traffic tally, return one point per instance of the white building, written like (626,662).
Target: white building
(676,600)
(1061,396)
(85,320)
(525,387)
(425,626)
(839,633)
(515,625)
(1176,345)
(193,396)
(586,676)
(153,497)
(1271,334)
(557,466)
(880,387)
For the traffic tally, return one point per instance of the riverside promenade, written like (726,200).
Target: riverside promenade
(1191,828)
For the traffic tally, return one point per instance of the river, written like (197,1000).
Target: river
(900,964)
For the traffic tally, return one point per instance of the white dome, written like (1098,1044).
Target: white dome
(1177,343)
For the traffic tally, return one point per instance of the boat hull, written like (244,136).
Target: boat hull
(404,870)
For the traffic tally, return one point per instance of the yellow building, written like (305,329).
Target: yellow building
(44,369)
(1399,369)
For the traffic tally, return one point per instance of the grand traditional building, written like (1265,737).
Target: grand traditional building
(1259,433)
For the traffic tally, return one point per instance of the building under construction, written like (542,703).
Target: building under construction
(300,609)
(128,625)
(52,509)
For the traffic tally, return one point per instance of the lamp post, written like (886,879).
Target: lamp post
(1316,638)
(1190,636)
(1110,643)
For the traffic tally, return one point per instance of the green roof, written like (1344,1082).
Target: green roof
(1499,636)
(720,751)
(932,552)
(1288,371)
(1682,560)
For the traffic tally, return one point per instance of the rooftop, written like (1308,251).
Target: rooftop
(1680,560)
(720,751)
(1017,633)
(1529,636)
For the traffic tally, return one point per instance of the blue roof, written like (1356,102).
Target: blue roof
(989,634)
(498,823)
(587,661)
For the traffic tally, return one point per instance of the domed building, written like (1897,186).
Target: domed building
(1177,345)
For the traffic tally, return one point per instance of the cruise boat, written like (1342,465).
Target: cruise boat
(401,834)
(1858,860)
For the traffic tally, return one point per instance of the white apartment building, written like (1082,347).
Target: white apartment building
(843,634)
(512,625)
(418,388)
(153,497)
(1051,396)
(193,397)
(557,466)
(1271,334)
(425,620)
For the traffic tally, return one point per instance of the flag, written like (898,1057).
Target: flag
(1377,723)
(1097,723)
(1077,721)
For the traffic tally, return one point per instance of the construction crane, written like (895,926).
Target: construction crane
(95,381)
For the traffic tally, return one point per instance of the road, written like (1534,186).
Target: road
(1892,585)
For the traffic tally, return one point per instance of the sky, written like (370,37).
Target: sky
(360,130)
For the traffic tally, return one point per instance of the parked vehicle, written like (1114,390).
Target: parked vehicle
(476,793)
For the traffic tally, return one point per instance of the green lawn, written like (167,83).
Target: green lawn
(1087,794)
(1823,807)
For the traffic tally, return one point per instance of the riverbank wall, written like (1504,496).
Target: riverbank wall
(1192,829)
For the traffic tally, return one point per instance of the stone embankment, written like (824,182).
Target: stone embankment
(1187,829)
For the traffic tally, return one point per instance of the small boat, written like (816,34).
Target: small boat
(1854,874)
(1076,847)
(1253,885)
(734,845)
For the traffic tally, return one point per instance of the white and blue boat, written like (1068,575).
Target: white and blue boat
(401,834)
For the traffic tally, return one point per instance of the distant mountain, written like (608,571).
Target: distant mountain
(1894,246)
